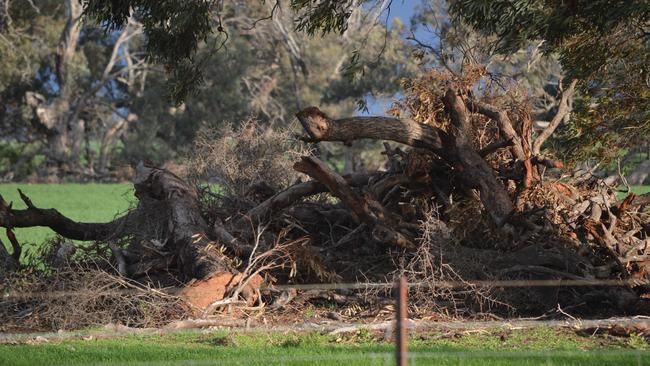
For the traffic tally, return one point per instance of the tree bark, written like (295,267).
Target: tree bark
(66,130)
(365,211)
(473,170)
(322,128)
(454,148)
(198,256)
(562,111)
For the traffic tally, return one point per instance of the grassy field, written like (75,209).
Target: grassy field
(536,346)
(86,202)
(641,189)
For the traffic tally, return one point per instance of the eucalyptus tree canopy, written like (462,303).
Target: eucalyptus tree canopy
(605,44)
(176,28)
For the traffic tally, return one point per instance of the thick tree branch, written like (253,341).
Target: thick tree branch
(473,170)
(15,246)
(316,169)
(320,127)
(53,219)
(365,210)
(563,109)
(506,129)
(291,195)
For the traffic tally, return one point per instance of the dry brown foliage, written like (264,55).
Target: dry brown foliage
(437,262)
(235,157)
(82,295)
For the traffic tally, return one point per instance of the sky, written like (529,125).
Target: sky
(404,10)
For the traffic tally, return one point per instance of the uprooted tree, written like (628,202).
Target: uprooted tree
(508,210)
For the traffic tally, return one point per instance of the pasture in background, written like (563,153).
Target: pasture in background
(91,202)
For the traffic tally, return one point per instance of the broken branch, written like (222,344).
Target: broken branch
(320,127)
(563,109)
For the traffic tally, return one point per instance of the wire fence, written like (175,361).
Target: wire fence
(8,295)
(402,326)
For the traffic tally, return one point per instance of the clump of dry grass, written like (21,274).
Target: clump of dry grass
(80,295)
(237,157)
(434,265)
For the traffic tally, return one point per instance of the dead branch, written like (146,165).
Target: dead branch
(316,169)
(320,127)
(364,209)
(563,109)
(294,193)
(53,219)
(473,170)
(506,128)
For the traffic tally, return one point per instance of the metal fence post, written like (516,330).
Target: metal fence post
(401,315)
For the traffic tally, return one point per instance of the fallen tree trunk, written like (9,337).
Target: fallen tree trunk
(473,170)
(186,247)
(197,255)
(454,147)
(187,229)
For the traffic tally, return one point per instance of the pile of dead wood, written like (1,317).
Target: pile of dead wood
(508,211)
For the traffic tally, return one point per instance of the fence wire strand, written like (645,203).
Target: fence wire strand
(13,295)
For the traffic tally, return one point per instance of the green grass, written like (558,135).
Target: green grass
(85,202)
(536,346)
(641,189)
(635,189)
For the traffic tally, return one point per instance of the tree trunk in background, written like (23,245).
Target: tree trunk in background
(108,141)
(60,117)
